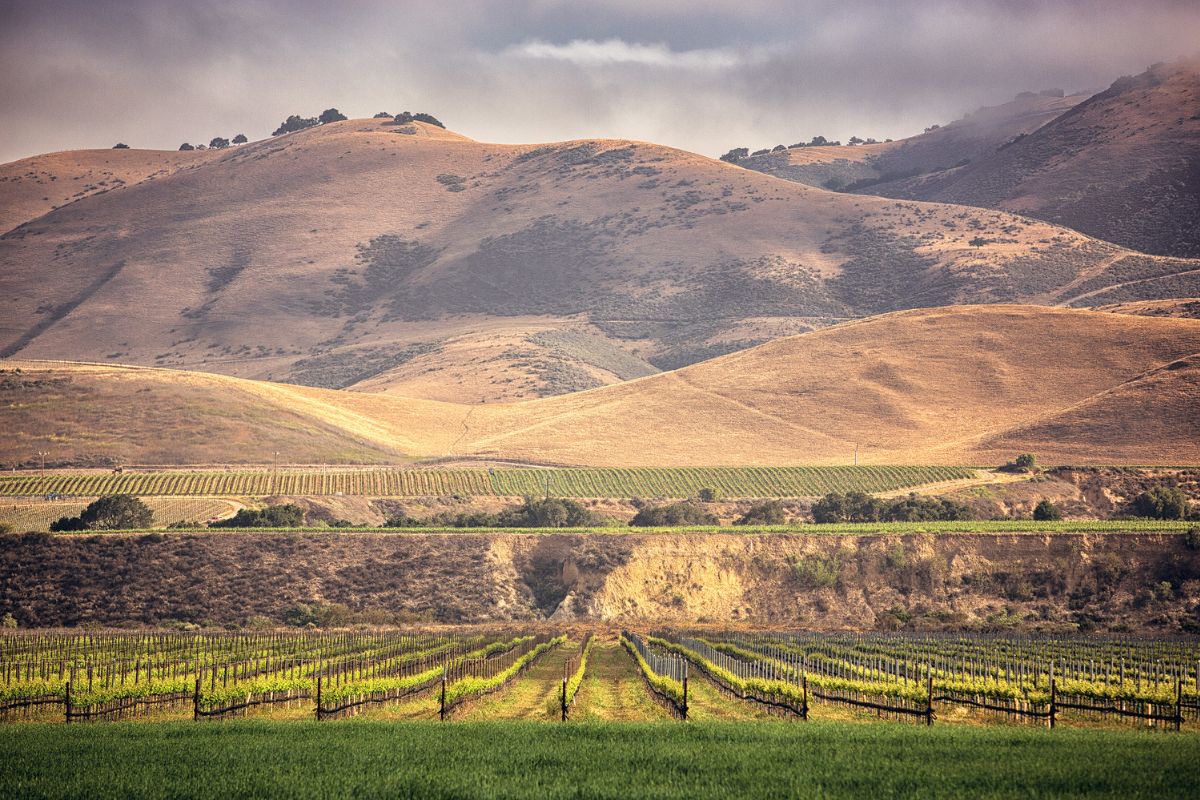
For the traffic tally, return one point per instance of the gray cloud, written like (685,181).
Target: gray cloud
(703,76)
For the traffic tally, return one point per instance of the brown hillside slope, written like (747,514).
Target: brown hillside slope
(1051,582)
(947,385)
(909,387)
(35,186)
(975,135)
(411,259)
(1123,166)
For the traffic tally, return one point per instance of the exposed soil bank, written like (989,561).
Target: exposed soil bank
(1112,582)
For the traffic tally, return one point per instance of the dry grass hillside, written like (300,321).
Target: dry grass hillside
(1123,166)
(35,186)
(863,167)
(947,385)
(412,260)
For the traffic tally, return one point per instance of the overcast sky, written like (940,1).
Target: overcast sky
(704,76)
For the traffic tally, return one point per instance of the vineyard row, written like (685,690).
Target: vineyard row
(673,482)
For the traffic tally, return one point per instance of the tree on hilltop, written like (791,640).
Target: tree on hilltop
(240,139)
(218,143)
(120,146)
(331,115)
(186,146)
(736,154)
(294,123)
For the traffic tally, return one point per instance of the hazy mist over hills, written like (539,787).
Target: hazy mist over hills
(703,76)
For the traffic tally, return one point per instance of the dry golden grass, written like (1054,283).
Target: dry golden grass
(951,385)
(246,263)
(35,186)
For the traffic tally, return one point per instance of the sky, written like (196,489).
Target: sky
(705,76)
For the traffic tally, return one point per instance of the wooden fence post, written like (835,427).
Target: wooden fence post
(564,700)
(67,701)
(318,696)
(685,691)
(1178,704)
(196,701)
(929,702)
(804,699)
(1053,703)
(442,701)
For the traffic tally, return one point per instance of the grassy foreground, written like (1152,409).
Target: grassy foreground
(495,759)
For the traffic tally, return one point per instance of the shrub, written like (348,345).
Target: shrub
(5,528)
(120,146)
(428,119)
(862,507)
(240,139)
(382,115)
(218,143)
(736,154)
(769,513)
(1161,502)
(685,513)
(850,507)
(109,513)
(294,123)
(1047,511)
(815,572)
(1022,463)
(331,115)
(978,241)
(186,146)
(403,118)
(1191,539)
(549,512)
(288,515)
(709,495)
(9,621)
(402,520)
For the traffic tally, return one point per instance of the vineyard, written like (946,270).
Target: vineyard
(906,677)
(37,515)
(108,676)
(749,482)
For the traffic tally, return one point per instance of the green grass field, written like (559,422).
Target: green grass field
(659,760)
(565,482)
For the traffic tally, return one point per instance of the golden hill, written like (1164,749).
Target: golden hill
(412,260)
(946,385)
(1123,166)
(35,186)
(871,167)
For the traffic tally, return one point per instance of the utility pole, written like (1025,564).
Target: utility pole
(42,453)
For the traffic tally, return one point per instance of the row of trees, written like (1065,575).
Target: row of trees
(738,153)
(216,143)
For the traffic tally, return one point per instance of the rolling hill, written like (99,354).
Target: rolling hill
(871,167)
(966,385)
(412,260)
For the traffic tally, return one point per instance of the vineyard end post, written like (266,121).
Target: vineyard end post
(196,701)
(564,700)
(67,701)
(685,696)
(929,702)
(1178,704)
(804,698)
(1053,703)
(442,700)
(318,712)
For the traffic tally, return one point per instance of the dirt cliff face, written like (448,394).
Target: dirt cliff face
(1057,582)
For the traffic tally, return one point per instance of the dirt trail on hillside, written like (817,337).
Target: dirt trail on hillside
(613,690)
(532,696)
